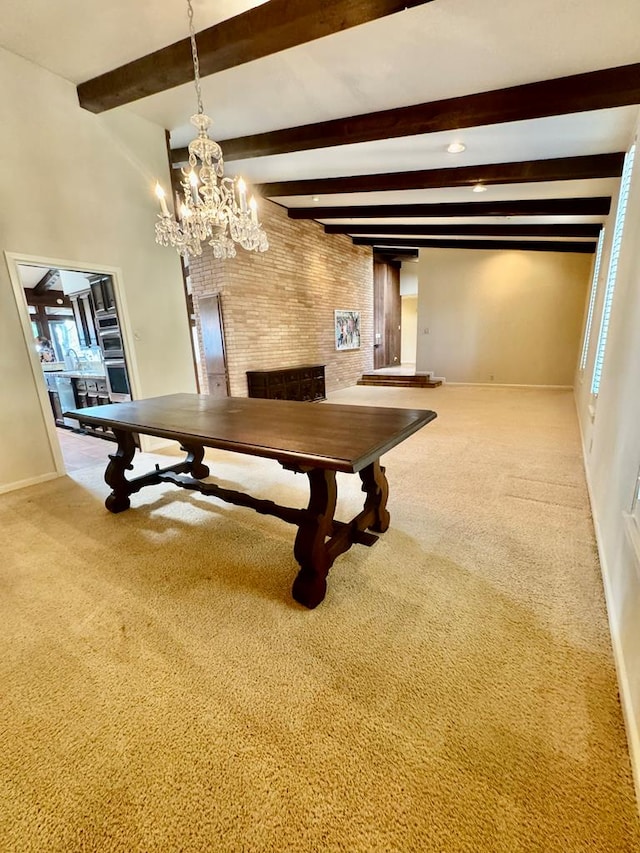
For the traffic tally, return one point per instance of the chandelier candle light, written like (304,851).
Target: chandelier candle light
(212,208)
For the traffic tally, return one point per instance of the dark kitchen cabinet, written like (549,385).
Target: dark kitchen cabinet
(102,293)
(83,315)
(92,392)
(289,383)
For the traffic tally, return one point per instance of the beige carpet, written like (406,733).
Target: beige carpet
(160,690)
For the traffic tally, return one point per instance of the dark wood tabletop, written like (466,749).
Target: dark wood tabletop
(322,435)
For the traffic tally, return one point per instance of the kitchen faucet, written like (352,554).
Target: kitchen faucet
(72,352)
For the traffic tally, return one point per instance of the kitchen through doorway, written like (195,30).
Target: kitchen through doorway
(75,322)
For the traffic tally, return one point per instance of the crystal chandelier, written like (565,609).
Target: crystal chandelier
(211,207)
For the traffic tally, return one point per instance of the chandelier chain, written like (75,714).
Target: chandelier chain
(196,61)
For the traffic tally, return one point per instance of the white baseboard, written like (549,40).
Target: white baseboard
(430,374)
(509,385)
(631,721)
(33,481)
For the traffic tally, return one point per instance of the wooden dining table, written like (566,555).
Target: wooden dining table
(316,439)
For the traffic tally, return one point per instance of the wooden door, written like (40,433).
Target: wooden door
(392,315)
(215,367)
(386,314)
(379,344)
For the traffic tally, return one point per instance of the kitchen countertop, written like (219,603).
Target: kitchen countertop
(76,374)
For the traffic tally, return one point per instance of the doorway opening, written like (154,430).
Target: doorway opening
(395,289)
(72,321)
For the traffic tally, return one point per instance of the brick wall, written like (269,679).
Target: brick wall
(278,306)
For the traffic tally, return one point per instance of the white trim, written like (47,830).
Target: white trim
(507,385)
(33,481)
(13,259)
(631,723)
(36,370)
(632,532)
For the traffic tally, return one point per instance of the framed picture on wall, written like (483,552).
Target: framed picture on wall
(347,325)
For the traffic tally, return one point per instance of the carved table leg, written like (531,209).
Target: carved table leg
(375,484)
(310,586)
(195,453)
(114,476)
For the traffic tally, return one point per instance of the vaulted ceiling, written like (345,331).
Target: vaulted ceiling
(342,111)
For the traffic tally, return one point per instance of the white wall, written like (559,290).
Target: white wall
(500,316)
(611,438)
(408,329)
(409,278)
(78,188)
(408,312)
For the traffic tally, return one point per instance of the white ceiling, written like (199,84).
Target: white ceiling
(31,275)
(79,39)
(557,136)
(445,48)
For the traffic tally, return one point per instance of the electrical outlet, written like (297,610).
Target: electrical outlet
(491,377)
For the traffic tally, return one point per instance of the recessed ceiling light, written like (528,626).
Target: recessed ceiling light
(479,188)
(315,198)
(456,147)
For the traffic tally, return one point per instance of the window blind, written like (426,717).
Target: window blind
(592,301)
(613,268)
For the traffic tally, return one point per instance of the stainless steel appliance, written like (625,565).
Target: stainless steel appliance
(109,335)
(107,320)
(117,380)
(112,346)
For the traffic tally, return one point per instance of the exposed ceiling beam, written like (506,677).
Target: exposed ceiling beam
(46,282)
(480,230)
(515,245)
(527,171)
(598,206)
(261,31)
(594,90)
(51,299)
(397,255)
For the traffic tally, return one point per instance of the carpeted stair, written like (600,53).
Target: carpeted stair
(398,380)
